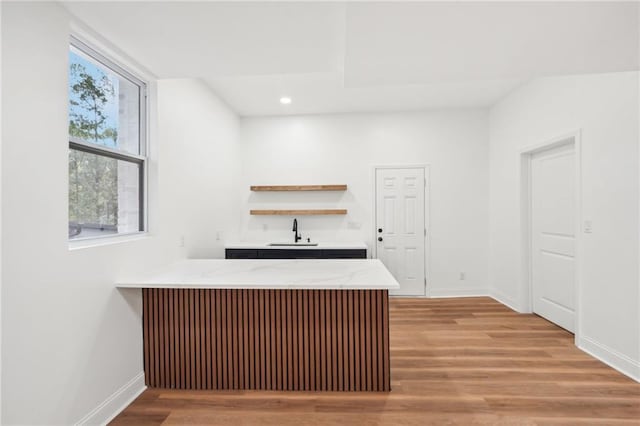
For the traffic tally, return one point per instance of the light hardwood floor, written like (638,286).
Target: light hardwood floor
(453,361)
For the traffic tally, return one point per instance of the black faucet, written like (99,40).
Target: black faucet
(297,237)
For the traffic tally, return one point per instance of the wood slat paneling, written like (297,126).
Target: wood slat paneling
(331,340)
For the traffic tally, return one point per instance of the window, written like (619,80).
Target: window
(107,157)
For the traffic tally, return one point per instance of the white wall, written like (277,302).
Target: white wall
(70,340)
(342,149)
(1,216)
(199,132)
(605,108)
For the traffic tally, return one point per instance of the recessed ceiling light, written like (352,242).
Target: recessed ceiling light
(285,100)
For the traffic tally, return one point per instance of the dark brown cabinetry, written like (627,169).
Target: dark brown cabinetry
(296,253)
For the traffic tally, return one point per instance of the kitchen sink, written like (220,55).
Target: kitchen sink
(292,244)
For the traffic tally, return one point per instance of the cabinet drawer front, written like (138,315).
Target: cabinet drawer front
(290,254)
(241,254)
(344,254)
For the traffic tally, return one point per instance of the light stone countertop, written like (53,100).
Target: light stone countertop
(332,274)
(320,246)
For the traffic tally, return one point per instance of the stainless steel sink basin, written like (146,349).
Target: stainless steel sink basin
(292,244)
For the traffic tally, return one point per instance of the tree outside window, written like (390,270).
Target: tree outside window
(105,167)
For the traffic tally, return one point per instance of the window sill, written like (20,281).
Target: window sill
(107,240)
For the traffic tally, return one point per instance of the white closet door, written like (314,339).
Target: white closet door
(553,235)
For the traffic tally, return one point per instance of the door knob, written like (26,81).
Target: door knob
(379,229)
(379,238)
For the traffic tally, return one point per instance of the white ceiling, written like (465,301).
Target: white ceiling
(365,56)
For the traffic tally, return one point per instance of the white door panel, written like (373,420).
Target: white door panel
(553,235)
(400,215)
(560,244)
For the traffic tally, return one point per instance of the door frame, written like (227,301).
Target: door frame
(573,138)
(427,241)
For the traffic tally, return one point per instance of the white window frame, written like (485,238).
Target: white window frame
(140,159)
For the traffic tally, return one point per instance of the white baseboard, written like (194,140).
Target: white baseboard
(611,357)
(504,299)
(459,292)
(114,404)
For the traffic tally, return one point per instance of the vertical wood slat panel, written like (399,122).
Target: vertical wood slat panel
(187,309)
(374,341)
(352,340)
(295,344)
(157,324)
(256,340)
(278,345)
(335,340)
(233,340)
(263,351)
(150,367)
(145,333)
(378,331)
(244,340)
(204,359)
(249,328)
(157,330)
(180,342)
(339,348)
(187,339)
(345,340)
(224,326)
(290,325)
(306,336)
(363,347)
(386,346)
(323,338)
(164,311)
(207,340)
(196,338)
(269,353)
(218,334)
(159,337)
(315,368)
(367,316)
(171,347)
(282,370)
(167,339)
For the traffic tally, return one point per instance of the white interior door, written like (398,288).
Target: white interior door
(553,207)
(400,227)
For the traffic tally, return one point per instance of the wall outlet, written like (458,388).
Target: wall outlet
(218,235)
(265,227)
(181,241)
(354,225)
(588,227)
(463,276)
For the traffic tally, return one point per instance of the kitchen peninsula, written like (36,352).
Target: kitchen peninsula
(270,324)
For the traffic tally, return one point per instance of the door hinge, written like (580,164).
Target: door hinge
(425,232)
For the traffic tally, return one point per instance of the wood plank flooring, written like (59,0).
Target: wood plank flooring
(460,361)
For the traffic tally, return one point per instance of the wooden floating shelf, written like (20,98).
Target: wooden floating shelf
(298,212)
(299,187)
